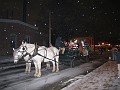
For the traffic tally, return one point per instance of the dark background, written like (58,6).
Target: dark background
(69,18)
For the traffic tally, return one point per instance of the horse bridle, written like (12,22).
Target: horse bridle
(28,53)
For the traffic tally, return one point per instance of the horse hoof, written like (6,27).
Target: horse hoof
(38,76)
(57,70)
(35,75)
(53,70)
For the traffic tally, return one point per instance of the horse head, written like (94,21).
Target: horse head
(20,52)
(24,51)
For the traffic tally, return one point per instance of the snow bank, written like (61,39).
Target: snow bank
(100,79)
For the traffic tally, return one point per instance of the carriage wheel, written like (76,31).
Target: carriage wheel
(72,64)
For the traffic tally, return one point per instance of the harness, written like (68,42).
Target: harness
(35,52)
(46,57)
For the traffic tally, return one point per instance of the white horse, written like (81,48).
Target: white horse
(28,61)
(38,55)
(26,58)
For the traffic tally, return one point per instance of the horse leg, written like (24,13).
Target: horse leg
(39,70)
(29,68)
(26,70)
(57,64)
(53,62)
(36,69)
(48,65)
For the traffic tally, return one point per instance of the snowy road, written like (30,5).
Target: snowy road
(16,79)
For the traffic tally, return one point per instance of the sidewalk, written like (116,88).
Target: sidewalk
(102,78)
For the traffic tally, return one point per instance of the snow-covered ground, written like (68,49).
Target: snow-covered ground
(102,78)
(38,83)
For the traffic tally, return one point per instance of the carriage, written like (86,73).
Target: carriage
(71,57)
(76,54)
(39,54)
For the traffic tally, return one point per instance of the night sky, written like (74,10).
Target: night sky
(71,18)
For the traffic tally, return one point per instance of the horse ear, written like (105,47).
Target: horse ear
(13,49)
(22,42)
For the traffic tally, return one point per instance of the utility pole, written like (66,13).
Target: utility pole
(49,28)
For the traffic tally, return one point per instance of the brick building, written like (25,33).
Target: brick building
(13,32)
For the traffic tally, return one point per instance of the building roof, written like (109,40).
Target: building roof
(19,22)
